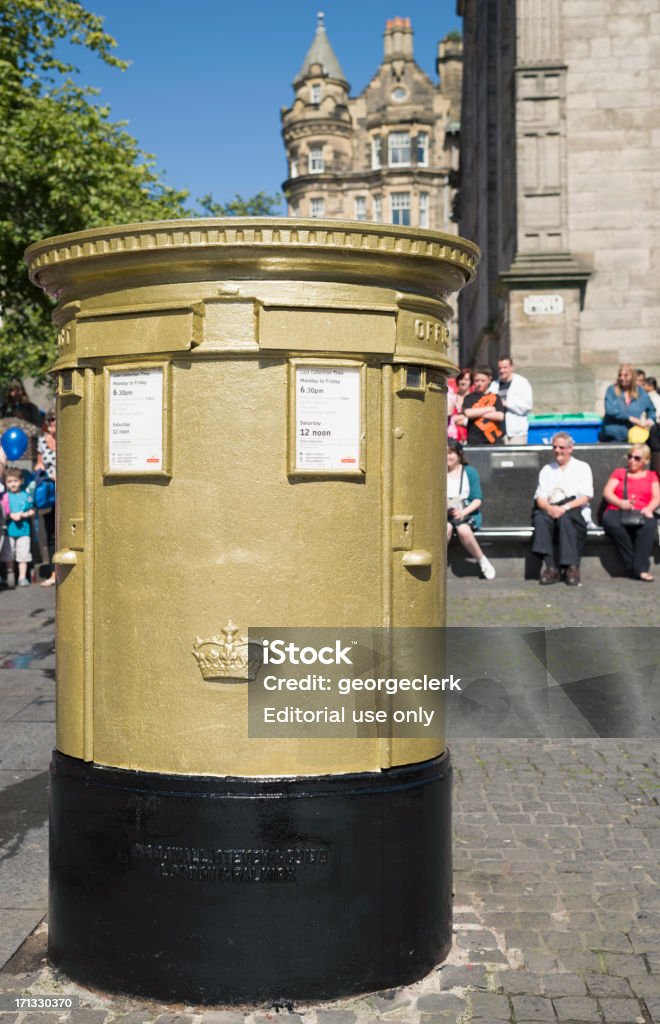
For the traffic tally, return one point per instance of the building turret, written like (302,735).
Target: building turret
(317,132)
(320,59)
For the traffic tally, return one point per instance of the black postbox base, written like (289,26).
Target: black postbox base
(233,890)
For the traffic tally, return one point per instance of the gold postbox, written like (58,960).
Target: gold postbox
(203,488)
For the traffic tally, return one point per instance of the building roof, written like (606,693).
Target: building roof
(321,52)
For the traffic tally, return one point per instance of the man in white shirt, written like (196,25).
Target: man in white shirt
(562,498)
(515,393)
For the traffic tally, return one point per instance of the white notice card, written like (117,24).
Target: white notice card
(328,419)
(135,421)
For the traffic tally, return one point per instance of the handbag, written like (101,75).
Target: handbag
(464,502)
(631,517)
(602,507)
(638,435)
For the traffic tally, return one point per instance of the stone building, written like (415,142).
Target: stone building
(385,155)
(560,186)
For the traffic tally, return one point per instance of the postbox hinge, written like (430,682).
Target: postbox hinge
(402,533)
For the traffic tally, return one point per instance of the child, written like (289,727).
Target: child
(19,509)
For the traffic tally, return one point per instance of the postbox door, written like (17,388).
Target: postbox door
(74,630)
(418,497)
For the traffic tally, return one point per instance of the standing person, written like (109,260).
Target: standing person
(515,393)
(19,510)
(636,487)
(650,385)
(455,399)
(560,518)
(483,412)
(47,462)
(18,405)
(626,406)
(464,500)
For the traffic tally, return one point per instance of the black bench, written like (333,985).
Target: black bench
(509,475)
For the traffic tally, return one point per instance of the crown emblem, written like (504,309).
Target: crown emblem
(228,657)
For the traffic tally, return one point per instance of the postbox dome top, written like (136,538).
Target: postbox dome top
(427,261)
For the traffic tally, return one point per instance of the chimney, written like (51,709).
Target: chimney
(449,66)
(398,38)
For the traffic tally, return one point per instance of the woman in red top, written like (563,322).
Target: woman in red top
(634,543)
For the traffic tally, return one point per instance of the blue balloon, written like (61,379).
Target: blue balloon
(14,442)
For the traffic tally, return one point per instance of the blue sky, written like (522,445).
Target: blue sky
(208,77)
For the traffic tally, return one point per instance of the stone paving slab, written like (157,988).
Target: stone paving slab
(27,732)
(557,908)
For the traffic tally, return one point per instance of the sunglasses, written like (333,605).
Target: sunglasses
(635,458)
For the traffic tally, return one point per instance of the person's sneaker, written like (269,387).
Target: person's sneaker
(548,576)
(487,569)
(572,576)
(23,583)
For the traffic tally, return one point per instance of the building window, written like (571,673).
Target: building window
(316,94)
(316,161)
(401,208)
(295,210)
(360,208)
(399,149)
(317,207)
(378,208)
(376,149)
(423,209)
(423,149)
(293,170)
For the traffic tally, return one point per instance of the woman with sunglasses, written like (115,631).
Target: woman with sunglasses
(636,487)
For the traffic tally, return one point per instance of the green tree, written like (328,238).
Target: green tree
(260,205)
(64,165)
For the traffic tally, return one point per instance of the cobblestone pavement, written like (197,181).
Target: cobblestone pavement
(556,852)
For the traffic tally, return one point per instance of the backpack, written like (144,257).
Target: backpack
(44,491)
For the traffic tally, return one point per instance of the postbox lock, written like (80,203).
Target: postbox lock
(77,534)
(402,533)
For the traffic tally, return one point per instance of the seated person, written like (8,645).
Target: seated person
(560,518)
(626,405)
(636,487)
(464,500)
(483,412)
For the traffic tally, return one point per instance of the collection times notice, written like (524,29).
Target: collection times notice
(328,419)
(135,421)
